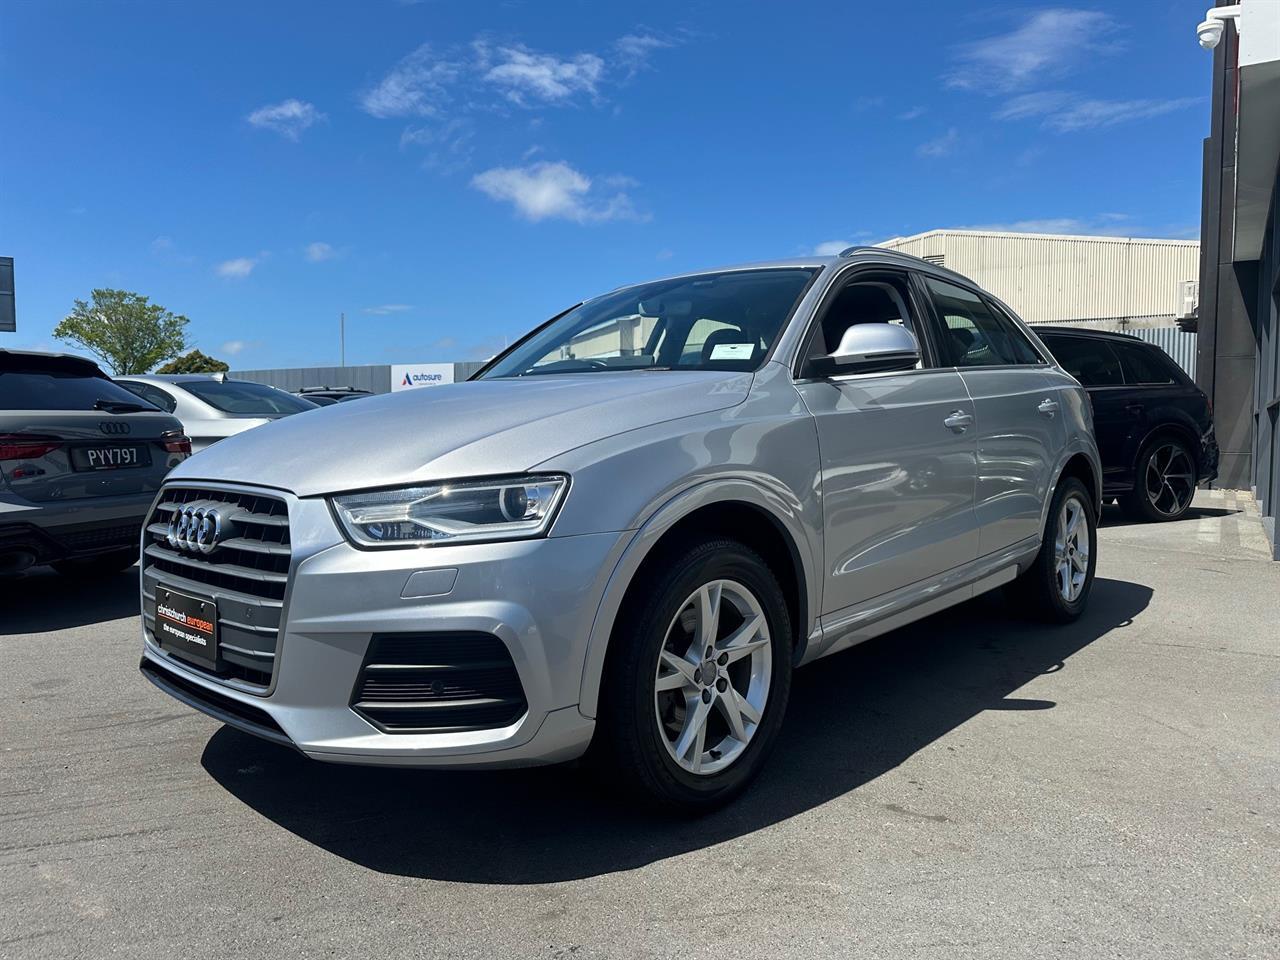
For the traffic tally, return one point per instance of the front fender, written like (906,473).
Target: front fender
(782,506)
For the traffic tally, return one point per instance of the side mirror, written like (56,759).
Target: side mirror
(870,348)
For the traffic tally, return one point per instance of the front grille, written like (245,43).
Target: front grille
(438,682)
(246,574)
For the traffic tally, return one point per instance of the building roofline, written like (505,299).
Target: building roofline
(1013,234)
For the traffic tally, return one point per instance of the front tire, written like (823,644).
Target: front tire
(697,679)
(1056,586)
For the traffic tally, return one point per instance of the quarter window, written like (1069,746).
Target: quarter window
(974,335)
(153,395)
(1142,364)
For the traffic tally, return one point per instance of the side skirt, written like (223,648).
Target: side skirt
(871,618)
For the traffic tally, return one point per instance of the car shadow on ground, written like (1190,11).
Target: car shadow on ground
(42,601)
(861,714)
(1113,516)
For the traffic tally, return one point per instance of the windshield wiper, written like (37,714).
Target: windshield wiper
(120,406)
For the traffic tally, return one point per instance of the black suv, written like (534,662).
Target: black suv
(1154,425)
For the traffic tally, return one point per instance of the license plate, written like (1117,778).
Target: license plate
(114,457)
(187,626)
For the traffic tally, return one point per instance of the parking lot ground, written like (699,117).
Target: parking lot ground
(972,786)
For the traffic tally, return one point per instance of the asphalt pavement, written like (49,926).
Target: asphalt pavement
(971,786)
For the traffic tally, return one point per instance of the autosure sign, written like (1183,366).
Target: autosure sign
(410,376)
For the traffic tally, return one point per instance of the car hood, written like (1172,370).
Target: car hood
(480,428)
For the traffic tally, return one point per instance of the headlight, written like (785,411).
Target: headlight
(468,511)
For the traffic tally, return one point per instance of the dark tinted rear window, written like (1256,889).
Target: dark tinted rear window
(244,397)
(35,389)
(1143,364)
(1092,362)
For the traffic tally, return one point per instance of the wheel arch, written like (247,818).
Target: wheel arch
(1080,461)
(741,509)
(1173,427)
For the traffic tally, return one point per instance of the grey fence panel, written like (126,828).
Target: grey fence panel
(376,379)
(1181,346)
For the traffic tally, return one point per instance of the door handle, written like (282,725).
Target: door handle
(1134,408)
(1048,407)
(958,421)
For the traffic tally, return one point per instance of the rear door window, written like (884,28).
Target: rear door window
(1090,361)
(1142,365)
(245,397)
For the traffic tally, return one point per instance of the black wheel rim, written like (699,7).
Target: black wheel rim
(1169,479)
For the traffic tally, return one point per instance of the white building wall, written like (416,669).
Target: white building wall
(1053,279)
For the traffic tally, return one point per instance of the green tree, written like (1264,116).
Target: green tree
(194,362)
(125,330)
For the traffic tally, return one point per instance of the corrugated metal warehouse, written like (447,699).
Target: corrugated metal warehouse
(1048,278)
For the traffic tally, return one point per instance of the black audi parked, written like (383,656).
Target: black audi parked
(1154,425)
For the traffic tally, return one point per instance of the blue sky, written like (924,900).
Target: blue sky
(450,173)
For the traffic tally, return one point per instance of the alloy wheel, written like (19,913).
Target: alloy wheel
(1071,547)
(713,675)
(1169,479)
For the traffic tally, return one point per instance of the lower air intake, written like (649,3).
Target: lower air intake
(438,683)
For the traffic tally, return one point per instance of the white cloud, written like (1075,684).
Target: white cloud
(1045,45)
(236,269)
(830,248)
(448,144)
(318,251)
(161,245)
(417,86)
(634,50)
(940,146)
(544,191)
(425,83)
(1033,104)
(527,76)
(1087,114)
(1067,112)
(288,118)
(233,347)
(384,309)
(664,254)
(913,114)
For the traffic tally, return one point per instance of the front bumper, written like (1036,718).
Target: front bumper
(1208,456)
(539,597)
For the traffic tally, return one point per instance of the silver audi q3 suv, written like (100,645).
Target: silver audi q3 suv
(627,530)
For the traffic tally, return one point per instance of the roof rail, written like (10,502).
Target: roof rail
(890,252)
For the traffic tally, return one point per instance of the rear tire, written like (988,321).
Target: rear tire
(1164,484)
(1056,587)
(660,687)
(100,566)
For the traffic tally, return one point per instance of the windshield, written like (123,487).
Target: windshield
(714,321)
(244,397)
